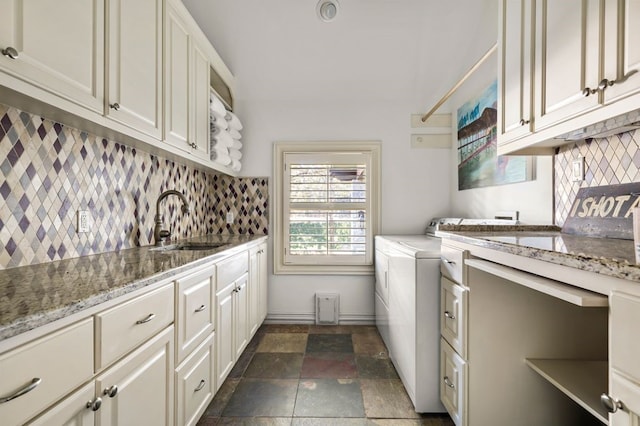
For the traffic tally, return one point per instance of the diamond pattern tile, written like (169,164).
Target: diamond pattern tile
(608,161)
(49,171)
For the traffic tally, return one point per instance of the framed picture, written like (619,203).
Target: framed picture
(478,162)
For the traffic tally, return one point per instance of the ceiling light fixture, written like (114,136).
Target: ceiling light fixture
(327,10)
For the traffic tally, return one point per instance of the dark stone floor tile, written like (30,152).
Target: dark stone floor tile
(373,367)
(325,365)
(327,421)
(273,365)
(368,343)
(207,421)
(386,399)
(262,398)
(329,343)
(286,328)
(283,342)
(254,342)
(331,329)
(255,421)
(329,398)
(241,365)
(219,402)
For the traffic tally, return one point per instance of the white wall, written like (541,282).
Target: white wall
(533,199)
(360,77)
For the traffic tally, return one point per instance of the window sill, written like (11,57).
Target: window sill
(323,270)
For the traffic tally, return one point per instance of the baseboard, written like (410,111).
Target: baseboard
(310,318)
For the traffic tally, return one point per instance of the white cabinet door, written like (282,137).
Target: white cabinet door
(59,46)
(141,385)
(74,410)
(515,117)
(257,287)
(225,349)
(195,384)
(624,347)
(134,80)
(241,315)
(453,383)
(622,48)
(568,58)
(176,91)
(264,291)
(200,102)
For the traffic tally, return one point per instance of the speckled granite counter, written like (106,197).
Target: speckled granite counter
(601,255)
(32,296)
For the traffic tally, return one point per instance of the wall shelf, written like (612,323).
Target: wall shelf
(582,381)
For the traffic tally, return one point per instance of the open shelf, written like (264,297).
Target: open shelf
(582,381)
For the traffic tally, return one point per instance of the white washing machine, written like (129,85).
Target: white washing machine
(407,304)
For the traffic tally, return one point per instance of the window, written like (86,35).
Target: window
(327,204)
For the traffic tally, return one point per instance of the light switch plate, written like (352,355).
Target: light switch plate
(229,217)
(577,170)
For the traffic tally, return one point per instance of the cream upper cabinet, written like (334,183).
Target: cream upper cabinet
(622,49)
(623,399)
(56,45)
(568,58)
(186,83)
(515,62)
(134,70)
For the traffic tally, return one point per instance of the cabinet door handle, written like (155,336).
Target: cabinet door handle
(588,91)
(448,382)
(147,319)
(524,122)
(10,52)
(95,404)
(111,392)
(447,261)
(28,388)
(201,308)
(610,403)
(200,386)
(115,106)
(604,83)
(449,315)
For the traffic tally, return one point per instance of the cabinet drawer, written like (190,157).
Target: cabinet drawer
(453,383)
(453,315)
(195,384)
(452,265)
(126,326)
(195,313)
(623,331)
(62,361)
(229,270)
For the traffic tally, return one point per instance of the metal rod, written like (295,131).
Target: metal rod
(459,83)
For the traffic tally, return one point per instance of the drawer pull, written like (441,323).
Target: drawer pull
(111,391)
(147,319)
(609,403)
(31,386)
(449,315)
(201,308)
(448,262)
(95,404)
(10,52)
(200,386)
(448,382)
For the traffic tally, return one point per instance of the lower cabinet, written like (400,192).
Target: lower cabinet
(452,382)
(195,383)
(76,409)
(257,287)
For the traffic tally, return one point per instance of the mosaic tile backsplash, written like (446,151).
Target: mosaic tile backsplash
(608,161)
(49,171)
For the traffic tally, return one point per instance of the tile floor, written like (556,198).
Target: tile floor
(315,375)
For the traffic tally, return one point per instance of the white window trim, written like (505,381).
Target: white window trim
(279,151)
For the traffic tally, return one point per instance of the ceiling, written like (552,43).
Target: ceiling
(382,50)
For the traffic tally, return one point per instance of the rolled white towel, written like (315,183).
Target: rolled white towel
(235,154)
(236,144)
(234,133)
(218,117)
(219,124)
(223,138)
(236,165)
(220,156)
(234,121)
(216,105)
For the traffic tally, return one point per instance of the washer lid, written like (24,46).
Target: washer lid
(420,246)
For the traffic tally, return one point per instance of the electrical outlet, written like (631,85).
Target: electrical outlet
(229,217)
(83,221)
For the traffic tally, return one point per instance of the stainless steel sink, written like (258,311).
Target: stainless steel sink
(190,247)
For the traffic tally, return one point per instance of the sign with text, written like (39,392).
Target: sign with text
(604,211)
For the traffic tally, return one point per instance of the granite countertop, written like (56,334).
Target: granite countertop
(607,256)
(32,296)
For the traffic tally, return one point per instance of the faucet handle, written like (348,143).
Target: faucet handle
(164,233)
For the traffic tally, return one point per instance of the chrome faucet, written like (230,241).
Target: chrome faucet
(159,234)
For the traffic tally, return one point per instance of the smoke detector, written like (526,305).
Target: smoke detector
(327,10)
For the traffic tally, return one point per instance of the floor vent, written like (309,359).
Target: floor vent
(327,308)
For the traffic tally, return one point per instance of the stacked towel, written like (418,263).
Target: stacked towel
(234,149)
(225,146)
